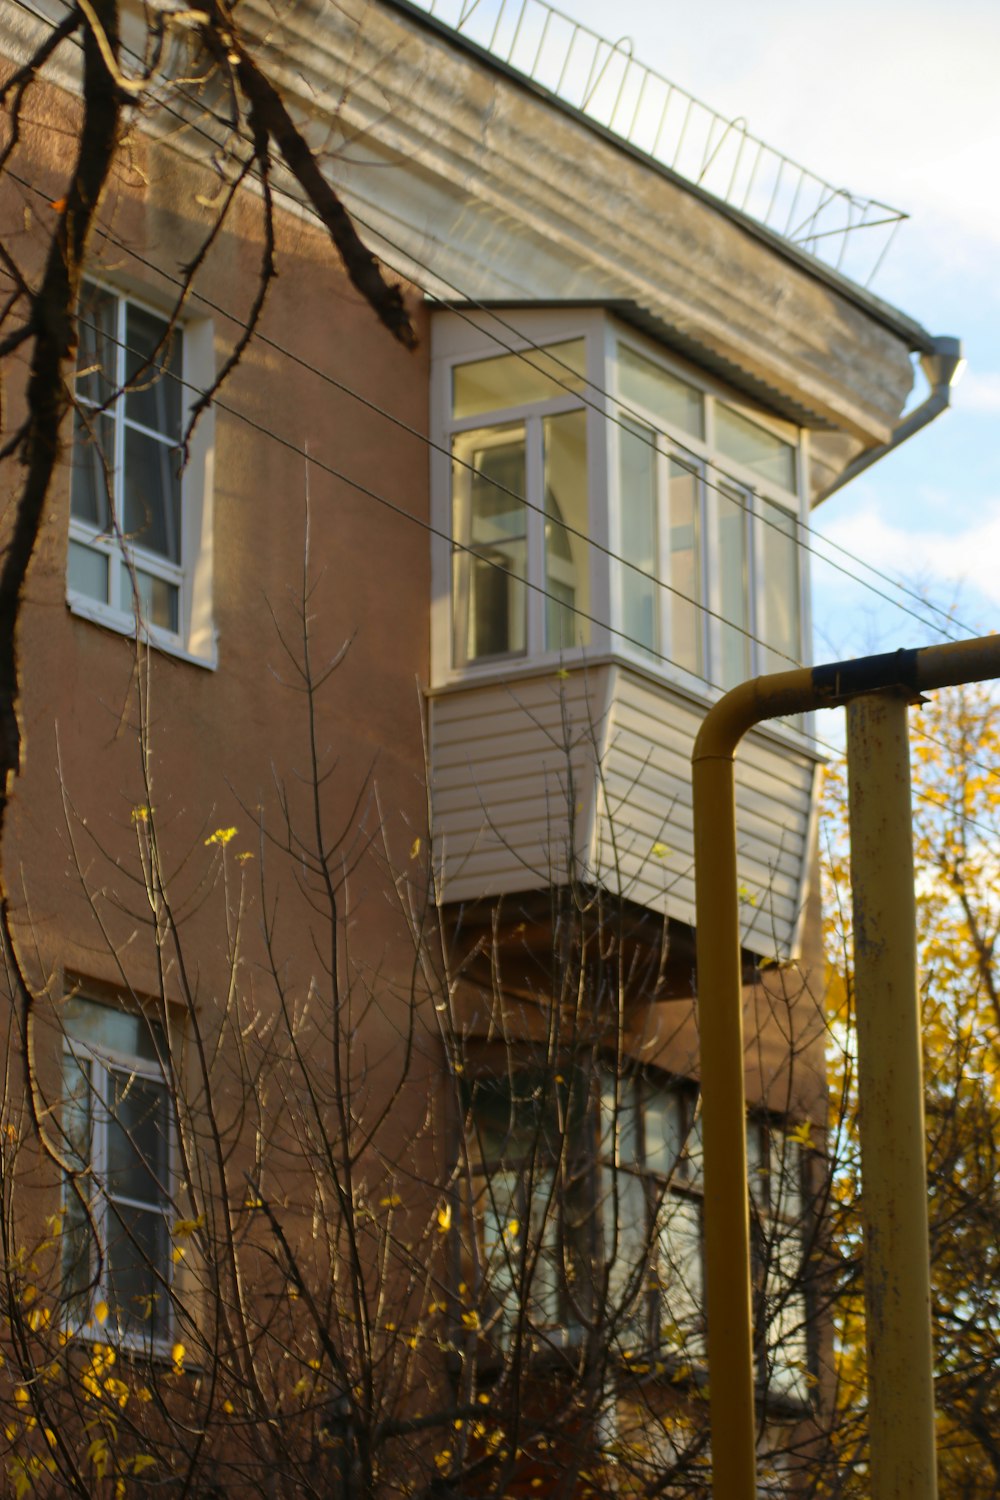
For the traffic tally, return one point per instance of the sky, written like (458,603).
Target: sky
(898,101)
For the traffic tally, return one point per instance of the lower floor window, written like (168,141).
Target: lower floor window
(782,1315)
(117,1133)
(531,1205)
(589,1211)
(652,1216)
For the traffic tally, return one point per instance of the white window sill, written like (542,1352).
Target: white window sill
(151,635)
(701,695)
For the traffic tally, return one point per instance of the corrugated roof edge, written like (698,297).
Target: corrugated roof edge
(916,336)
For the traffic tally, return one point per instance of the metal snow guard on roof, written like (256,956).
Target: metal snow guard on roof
(604,82)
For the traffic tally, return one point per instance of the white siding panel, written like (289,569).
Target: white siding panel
(501,760)
(647,794)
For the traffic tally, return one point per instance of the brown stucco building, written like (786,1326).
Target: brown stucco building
(359,751)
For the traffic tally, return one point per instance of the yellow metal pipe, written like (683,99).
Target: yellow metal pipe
(723,1102)
(720,1004)
(890,1094)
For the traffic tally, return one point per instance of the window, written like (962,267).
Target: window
(116,1123)
(652,1204)
(652,1215)
(137,525)
(776,1189)
(592,435)
(531,1205)
(708,505)
(519,504)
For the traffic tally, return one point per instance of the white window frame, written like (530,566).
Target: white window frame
(102,1061)
(776,1170)
(464,340)
(719,474)
(460,339)
(522,1273)
(668,1317)
(195,638)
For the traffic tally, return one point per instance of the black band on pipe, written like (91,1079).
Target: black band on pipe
(869,674)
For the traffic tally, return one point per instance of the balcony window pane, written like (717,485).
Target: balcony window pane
(655,390)
(782,629)
(663,1122)
(787,1313)
(734,660)
(92,467)
(754,447)
(97,355)
(686,631)
(137,1267)
(518,379)
(152,515)
(137,1137)
(156,403)
(158,598)
(623,1217)
(115,1030)
(681,1276)
(489,521)
(498,1214)
(567,561)
(87,572)
(619,1116)
(637,476)
(785,1175)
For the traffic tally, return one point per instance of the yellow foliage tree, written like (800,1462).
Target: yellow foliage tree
(956,785)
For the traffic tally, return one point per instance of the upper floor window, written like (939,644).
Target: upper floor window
(116,1122)
(708,531)
(521,569)
(137,535)
(590,435)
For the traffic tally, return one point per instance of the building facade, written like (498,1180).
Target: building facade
(351,866)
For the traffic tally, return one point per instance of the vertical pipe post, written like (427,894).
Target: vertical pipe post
(723,1123)
(890,1090)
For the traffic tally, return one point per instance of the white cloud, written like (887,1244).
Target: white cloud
(964,559)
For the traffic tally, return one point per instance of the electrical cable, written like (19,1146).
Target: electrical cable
(265,431)
(438,532)
(609,416)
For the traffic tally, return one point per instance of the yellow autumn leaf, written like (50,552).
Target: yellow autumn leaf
(101,1312)
(221,836)
(444,1218)
(415,847)
(660,850)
